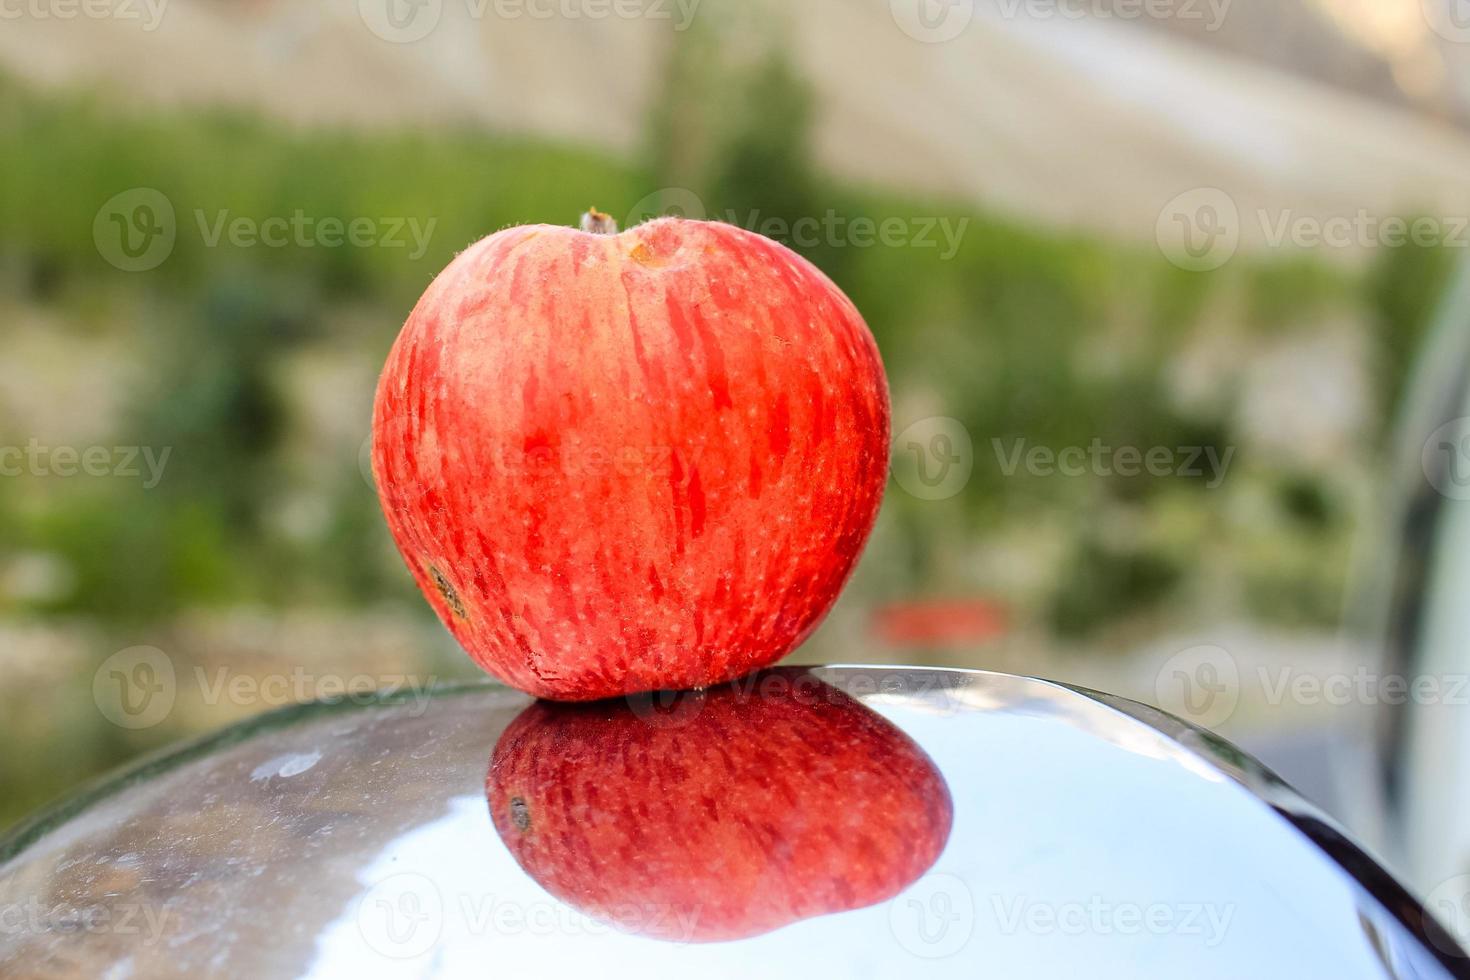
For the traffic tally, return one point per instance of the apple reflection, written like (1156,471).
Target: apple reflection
(728,814)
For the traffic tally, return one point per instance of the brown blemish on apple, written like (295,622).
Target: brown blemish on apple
(643,255)
(451,596)
(520,814)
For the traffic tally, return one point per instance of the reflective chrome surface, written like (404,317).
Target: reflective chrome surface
(919,823)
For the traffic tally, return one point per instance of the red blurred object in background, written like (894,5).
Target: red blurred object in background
(940,623)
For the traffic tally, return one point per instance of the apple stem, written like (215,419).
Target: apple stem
(594,222)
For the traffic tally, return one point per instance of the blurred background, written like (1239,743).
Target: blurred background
(1150,278)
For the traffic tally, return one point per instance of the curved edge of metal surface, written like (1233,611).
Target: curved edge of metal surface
(1306,817)
(1211,749)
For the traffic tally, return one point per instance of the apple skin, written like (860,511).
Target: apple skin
(751,807)
(622,463)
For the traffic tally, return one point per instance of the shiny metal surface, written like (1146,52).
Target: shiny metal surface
(1076,835)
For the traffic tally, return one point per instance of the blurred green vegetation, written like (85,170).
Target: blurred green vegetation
(1024,334)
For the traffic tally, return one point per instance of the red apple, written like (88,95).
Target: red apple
(768,801)
(620,463)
